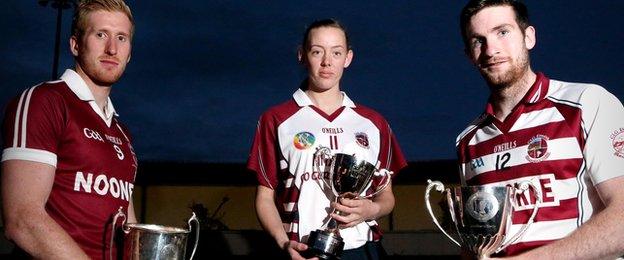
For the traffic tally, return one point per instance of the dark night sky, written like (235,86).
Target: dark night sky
(202,72)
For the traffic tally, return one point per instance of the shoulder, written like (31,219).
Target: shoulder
(576,94)
(370,114)
(280,112)
(41,95)
(471,128)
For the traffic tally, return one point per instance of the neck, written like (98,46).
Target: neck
(328,100)
(505,98)
(100,92)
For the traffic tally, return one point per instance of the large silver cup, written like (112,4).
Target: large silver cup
(348,178)
(482,215)
(146,241)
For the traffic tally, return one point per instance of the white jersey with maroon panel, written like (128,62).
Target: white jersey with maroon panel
(283,152)
(565,138)
(58,123)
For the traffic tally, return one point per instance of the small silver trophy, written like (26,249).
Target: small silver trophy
(482,215)
(147,241)
(348,178)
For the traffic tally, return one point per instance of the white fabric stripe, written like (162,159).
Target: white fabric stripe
(535,97)
(289,182)
(123,133)
(537,118)
(545,230)
(29,154)
(483,134)
(389,148)
(25,116)
(289,206)
(293,228)
(17,117)
(558,149)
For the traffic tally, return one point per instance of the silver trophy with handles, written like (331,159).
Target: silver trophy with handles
(482,215)
(348,177)
(147,241)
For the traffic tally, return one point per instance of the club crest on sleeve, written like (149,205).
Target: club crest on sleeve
(617,139)
(537,149)
(362,139)
(304,140)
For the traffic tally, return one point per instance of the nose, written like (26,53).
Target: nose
(326,61)
(491,47)
(111,46)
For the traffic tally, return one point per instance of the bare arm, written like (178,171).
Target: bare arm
(601,237)
(131,215)
(272,223)
(26,186)
(356,211)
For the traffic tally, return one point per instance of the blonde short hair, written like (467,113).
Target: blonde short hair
(86,7)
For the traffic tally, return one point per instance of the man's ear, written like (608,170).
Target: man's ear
(530,37)
(73,45)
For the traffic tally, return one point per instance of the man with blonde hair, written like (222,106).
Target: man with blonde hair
(67,162)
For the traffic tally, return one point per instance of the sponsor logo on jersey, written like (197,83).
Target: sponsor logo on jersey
(113,139)
(103,185)
(362,139)
(304,140)
(92,134)
(617,139)
(537,149)
(547,189)
(482,206)
(504,146)
(332,130)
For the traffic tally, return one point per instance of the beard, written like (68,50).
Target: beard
(505,79)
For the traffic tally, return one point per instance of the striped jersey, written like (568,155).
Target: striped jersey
(282,157)
(563,137)
(58,123)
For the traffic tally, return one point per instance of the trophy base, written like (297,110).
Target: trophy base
(325,244)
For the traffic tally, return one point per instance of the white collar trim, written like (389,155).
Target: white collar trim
(303,100)
(82,91)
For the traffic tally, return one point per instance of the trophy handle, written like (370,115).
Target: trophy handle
(115,218)
(538,202)
(439,187)
(194,219)
(322,153)
(383,184)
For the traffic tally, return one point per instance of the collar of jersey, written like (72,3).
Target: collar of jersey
(537,93)
(82,91)
(303,100)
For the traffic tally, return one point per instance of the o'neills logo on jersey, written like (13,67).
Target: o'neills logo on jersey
(617,139)
(537,150)
(303,140)
(362,139)
(102,185)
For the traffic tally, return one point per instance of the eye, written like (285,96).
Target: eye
(503,32)
(122,38)
(477,42)
(100,35)
(337,53)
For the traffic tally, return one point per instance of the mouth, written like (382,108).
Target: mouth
(492,64)
(109,62)
(326,74)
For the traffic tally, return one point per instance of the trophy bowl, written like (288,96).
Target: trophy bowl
(481,215)
(348,178)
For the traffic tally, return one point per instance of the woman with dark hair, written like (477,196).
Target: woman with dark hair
(291,199)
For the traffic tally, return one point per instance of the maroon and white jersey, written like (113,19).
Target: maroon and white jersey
(283,152)
(564,137)
(59,123)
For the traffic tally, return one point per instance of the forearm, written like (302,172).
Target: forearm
(269,218)
(602,237)
(384,202)
(41,237)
